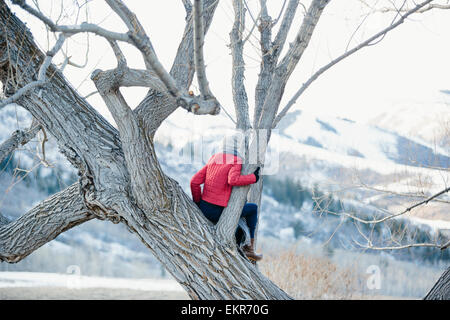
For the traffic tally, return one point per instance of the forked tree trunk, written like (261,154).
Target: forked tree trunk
(118,183)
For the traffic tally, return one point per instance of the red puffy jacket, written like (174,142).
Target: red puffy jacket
(220,174)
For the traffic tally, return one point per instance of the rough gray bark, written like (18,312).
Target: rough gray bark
(441,289)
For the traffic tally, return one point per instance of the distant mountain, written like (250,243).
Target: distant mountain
(428,122)
(346,137)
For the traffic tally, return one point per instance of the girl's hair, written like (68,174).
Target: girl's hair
(233,143)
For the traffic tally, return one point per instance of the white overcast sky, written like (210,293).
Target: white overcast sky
(410,65)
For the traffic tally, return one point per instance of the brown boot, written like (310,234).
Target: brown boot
(250,251)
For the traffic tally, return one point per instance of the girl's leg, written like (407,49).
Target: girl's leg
(250,213)
(211,211)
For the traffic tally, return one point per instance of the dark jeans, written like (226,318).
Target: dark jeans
(249,212)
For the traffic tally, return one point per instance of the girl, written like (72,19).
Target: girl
(219,175)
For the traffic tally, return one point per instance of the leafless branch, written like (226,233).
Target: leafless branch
(266,66)
(197,105)
(286,66)
(391,216)
(198,50)
(279,15)
(41,75)
(69,30)
(237,48)
(319,72)
(401,194)
(400,247)
(51,217)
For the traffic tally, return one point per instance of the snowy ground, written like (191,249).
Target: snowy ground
(34,285)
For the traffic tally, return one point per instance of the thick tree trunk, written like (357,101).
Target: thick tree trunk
(118,182)
(441,289)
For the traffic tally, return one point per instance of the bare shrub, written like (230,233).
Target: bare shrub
(309,277)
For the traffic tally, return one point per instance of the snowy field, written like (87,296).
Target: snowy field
(35,285)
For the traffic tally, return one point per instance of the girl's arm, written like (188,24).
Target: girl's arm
(236,179)
(197,180)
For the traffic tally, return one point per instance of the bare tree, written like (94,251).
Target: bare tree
(120,178)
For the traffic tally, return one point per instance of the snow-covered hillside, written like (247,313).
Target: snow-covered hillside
(429,122)
(317,152)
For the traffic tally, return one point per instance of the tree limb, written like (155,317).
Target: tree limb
(197,105)
(145,174)
(267,63)
(270,52)
(441,289)
(84,27)
(342,57)
(156,107)
(188,7)
(391,216)
(422,10)
(285,26)
(42,224)
(198,50)
(3,220)
(287,65)
(295,52)
(238,67)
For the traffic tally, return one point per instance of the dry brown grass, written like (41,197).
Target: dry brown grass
(308,277)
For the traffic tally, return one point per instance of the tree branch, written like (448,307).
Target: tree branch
(19,137)
(238,67)
(342,57)
(188,7)
(441,289)
(84,27)
(422,10)
(391,216)
(267,63)
(287,65)
(42,224)
(197,105)
(155,107)
(270,52)
(285,26)
(145,173)
(41,74)
(198,50)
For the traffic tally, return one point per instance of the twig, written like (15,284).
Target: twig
(84,27)
(342,57)
(198,50)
